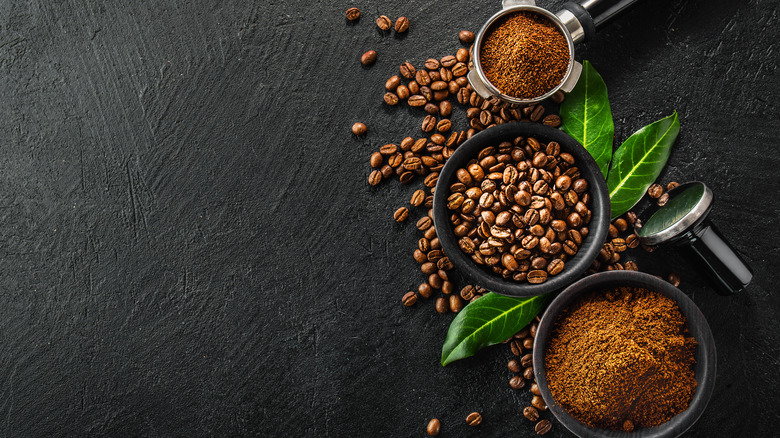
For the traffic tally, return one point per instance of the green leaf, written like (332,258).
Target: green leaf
(639,161)
(588,118)
(489,320)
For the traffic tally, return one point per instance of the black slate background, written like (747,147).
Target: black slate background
(189,247)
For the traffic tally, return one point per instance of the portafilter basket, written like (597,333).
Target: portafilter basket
(577,21)
(599,207)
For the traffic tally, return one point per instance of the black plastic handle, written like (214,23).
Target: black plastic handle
(595,14)
(728,272)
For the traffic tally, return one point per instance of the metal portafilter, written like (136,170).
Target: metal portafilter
(577,21)
(683,222)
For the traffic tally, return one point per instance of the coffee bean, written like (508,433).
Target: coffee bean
(368,58)
(619,244)
(353,14)
(459,69)
(425,290)
(555,267)
(429,122)
(543,427)
(422,77)
(417,100)
(401,214)
(433,428)
(537,276)
(409,299)
(514,366)
(376,160)
(672,185)
(467,293)
(462,55)
(538,403)
(531,413)
(528,343)
(552,120)
(673,279)
(632,241)
(537,113)
(359,128)
(534,389)
(528,373)
(474,419)
(401,24)
(375,177)
(517,382)
(384,23)
(402,92)
(442,305)
(407,70)
(424,223)
(391,99)
(621,224)
(663,200)
(655,191)
(466,37)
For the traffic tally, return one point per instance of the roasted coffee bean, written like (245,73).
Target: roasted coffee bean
(528,343)
(401,24)
(413,163)
(537,113)
(368,58)
(424,223)
(353,14)
(444,125)
(555,266)
(376,159)
(417,100)
(401,214)
(462,55)
(417,198)
(448,61)
(631,266)
(442,305)
(445,109)
(359,128)
(528,373)
(375,177)
(534,389)
(392,83)
(466,37)
(663,200)
(552,120)
(526,360)
(425,290)
(409,299)
(543,427)
(429,122)
(474,419)
(538,403)
(384,23)
(673,279)
(516,346)
(391,99)
(531,413)
(428,268)
(447,287)
(402,92)
(459,69)
(672,185)
(432,64)
(632,241)
(517,382)
(467,293)
(433,428)
(619,244)
(422,77)
(407,70)
(537,276)
(655,191)
(514,366)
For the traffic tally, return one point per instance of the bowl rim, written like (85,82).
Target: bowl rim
(598,226)
(706,356)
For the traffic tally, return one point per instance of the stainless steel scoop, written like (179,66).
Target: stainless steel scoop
(577,21)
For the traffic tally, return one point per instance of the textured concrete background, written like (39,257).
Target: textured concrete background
(188,245)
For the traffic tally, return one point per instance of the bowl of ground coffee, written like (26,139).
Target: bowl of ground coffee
(521,209)
(624,354)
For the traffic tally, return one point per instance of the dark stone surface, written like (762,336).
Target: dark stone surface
(188,245)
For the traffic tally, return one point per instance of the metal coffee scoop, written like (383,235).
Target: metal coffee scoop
(577,21)
(683,222)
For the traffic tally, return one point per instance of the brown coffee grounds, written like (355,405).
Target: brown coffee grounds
(622,359)
(524,55)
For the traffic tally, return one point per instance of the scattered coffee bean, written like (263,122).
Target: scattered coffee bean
(543,427)
(391,99)
(368,58)
(353,14)
(359,128)
(409,299)
(375,177)
(538,403)
(401,24)
(466,37)
(517,382)
(456,303)
(663,200)
(655,191)
(401,214)
(442,305)
(514,366)
(672,185)
(527,360)
(417,198)
(474,419)
(467,293)
(528,373)
(534,389)
(384,23)
(433,428)
(531,413)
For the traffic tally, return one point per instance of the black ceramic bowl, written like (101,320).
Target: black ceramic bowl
(700,330)
(599,206)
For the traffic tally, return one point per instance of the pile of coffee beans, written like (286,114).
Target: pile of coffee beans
(521,209)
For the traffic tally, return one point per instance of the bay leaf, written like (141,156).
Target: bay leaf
(490,320)
(638,162)
(587,116)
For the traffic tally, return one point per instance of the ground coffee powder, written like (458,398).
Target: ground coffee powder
(622,359)
(524,55)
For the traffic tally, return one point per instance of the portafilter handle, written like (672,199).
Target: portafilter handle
(591,15)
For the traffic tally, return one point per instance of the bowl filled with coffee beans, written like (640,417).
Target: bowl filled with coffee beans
(521,209)
(624,354)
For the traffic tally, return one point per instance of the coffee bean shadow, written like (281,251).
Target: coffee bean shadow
(352,23)
(401,36)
